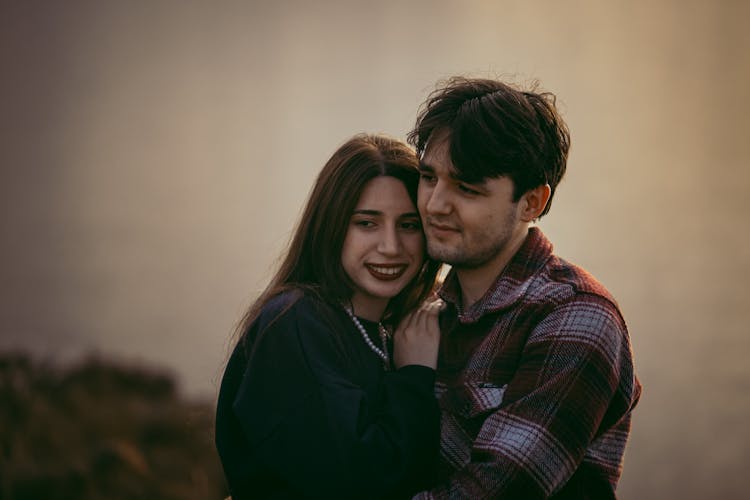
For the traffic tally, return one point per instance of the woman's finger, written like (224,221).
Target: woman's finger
(405,323)
(430,313)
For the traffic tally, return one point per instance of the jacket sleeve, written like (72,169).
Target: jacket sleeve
(560,398)
(316,429)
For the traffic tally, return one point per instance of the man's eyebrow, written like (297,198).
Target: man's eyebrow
(423,167)
(477,183)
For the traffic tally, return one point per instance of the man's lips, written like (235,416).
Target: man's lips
(441,229)
(386,272)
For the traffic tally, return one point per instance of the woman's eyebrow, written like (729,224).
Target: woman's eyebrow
(406,215)
(365,211)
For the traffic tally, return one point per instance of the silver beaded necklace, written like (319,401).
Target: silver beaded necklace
(382,353)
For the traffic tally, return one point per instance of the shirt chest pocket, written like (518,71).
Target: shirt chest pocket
(473,398)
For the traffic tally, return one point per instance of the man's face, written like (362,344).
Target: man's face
(466,225)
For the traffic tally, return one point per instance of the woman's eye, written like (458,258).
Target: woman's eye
(411,225)
(364,223)
(426,177)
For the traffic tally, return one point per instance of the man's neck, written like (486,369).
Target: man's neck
(476,281)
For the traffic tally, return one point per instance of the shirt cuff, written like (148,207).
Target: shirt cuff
(420,373)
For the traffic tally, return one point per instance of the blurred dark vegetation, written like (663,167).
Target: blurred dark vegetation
(101,429)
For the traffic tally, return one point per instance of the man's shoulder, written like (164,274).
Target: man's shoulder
(544,277)
(573,306)
(562,281)
(581,280)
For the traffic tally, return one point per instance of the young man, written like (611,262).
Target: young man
(535,376)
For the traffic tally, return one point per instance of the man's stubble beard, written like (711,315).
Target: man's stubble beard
(463,257)
(480,250)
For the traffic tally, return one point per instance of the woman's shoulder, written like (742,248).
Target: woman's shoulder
(289,302)
(301,322)
(281,303)
(296,306)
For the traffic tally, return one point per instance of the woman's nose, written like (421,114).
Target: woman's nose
(390,242)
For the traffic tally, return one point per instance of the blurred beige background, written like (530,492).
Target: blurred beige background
(155,155)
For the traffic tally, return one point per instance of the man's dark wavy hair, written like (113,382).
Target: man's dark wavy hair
(497,130)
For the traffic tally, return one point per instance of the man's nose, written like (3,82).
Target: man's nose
(438,200)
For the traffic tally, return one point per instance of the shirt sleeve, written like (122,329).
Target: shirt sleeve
(532,443)
(314,427)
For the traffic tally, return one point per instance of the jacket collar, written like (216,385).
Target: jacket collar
(509,286)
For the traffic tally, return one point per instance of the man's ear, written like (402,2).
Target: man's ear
(533,202)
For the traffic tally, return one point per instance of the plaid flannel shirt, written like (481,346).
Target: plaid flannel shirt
(535,383)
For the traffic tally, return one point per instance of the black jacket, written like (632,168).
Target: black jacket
(306,410)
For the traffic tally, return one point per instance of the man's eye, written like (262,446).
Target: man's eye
(468,190)
(426,177)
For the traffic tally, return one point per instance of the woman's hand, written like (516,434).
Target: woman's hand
(417,337)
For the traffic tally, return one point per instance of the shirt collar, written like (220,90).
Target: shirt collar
(509,286)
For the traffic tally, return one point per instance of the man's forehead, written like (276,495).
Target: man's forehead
(428,163)
(438,144)
(449,170)
(437,155)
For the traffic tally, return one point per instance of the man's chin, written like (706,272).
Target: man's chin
(457,259)
(444,255)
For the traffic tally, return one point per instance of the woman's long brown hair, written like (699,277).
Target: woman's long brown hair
(313,260)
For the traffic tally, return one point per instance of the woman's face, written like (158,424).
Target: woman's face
(384,245)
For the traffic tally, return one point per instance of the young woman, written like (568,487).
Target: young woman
(316,400)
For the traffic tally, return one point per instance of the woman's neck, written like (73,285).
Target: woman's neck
(369,308)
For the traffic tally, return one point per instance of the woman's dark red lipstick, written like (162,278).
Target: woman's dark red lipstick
(386,272)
